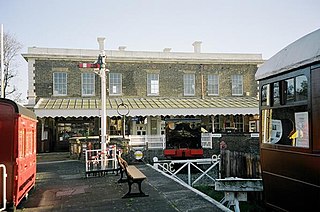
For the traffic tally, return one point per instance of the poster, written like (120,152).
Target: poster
(276,132)
(302,129)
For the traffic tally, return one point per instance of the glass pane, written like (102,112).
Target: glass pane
(290,90)
(213,84)
(276,93)
(237,86)
(189,84)
(265,95)
(301,88)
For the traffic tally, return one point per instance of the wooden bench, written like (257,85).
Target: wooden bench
(134,175)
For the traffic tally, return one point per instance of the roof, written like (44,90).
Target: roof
(81,107)
(19,109)
(131,56)
(304,51)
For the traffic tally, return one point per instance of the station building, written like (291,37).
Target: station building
(146,86)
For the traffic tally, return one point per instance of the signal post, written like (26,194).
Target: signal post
(100,69)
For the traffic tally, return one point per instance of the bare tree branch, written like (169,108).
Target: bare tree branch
(11,48)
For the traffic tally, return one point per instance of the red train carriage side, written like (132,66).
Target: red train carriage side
(17,150)
(289,84)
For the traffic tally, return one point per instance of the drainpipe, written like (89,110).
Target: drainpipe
(202,82)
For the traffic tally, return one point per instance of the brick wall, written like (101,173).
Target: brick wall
(134,77)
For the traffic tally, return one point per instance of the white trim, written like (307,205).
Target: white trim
(31,82)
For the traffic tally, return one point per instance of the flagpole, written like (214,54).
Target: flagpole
(2,64)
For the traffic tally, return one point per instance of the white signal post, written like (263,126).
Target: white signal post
(103,70)
(101,66)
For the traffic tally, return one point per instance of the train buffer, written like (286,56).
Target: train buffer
(235,189)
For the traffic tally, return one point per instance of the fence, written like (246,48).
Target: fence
(240,164)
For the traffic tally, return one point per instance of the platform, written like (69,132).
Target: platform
(61,186)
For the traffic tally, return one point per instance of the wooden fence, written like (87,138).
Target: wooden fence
(239,164)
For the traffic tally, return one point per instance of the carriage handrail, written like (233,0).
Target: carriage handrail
(4,189)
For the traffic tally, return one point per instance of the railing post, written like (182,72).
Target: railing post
(86,159)
(155,163)
(163,141)
(189,174)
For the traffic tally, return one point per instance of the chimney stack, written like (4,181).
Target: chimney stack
(166,49)
(122,48)
(197,47)
(101,43)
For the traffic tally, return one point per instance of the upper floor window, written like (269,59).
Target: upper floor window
(115,84)
(237,85)
(88,84)
(213,85)
(153,84)
(60,84)
(189,84)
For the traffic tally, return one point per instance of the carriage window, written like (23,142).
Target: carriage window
(286,126)
(265,95)
(276,93)
(289,83)
(301,88)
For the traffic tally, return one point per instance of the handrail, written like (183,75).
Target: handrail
(4,190)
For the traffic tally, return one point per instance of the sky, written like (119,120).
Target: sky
(223,26)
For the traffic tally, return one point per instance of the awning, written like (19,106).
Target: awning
(86,107)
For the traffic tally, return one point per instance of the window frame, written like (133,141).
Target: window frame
(268,110)
(93,77)
(213,85)
(59,84)
(153,77)
(117,84)
(189,84)
(236,80)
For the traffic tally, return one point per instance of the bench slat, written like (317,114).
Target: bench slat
(135,173)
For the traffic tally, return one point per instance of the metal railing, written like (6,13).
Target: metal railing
(167,166)
(101,161)
(4,188)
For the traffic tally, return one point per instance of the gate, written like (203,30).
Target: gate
(101,162)
(167,166)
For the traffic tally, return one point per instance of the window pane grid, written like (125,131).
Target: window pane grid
(88,84)
(213,85)
(59,83)
(237,85)
(189,84)
(153,84)
(115,84)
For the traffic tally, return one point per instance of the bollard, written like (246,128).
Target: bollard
(155,162)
